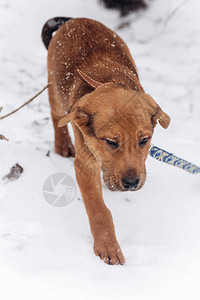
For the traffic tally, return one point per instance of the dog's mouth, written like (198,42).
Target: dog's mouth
(118,187)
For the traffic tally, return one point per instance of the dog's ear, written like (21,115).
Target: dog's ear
(93,83)
(156,112)
(79,116)
(65,120)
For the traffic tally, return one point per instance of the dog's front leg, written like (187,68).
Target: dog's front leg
(100,218)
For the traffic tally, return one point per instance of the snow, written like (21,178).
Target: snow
(45,251)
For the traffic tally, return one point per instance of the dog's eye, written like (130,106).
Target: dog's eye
(143,142)
(112,143)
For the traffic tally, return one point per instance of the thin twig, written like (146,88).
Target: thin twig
(174,11)
(14,111)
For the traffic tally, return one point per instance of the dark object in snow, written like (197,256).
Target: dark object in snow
(50,26)
(2,137)
(48,153)
(125,6)
(15,172)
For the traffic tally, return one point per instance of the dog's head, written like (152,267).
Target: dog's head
(117,126)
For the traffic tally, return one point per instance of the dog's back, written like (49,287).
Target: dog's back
(86,40)
(90,46)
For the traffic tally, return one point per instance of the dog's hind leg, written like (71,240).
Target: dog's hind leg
(63,143)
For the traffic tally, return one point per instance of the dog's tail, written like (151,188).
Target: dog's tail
(50,26)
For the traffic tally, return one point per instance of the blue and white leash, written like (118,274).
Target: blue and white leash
(171,159)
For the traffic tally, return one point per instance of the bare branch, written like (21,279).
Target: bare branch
(14,111)
(174,11)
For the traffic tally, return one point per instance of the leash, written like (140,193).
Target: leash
(171,159)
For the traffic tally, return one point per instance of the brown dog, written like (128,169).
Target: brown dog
(95,86)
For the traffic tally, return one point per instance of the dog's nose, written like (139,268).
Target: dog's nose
(130,182)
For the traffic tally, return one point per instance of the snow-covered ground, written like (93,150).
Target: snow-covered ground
(46,252)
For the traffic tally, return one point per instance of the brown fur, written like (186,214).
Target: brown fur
(94,79)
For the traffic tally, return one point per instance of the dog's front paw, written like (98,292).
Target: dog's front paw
(109,251)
